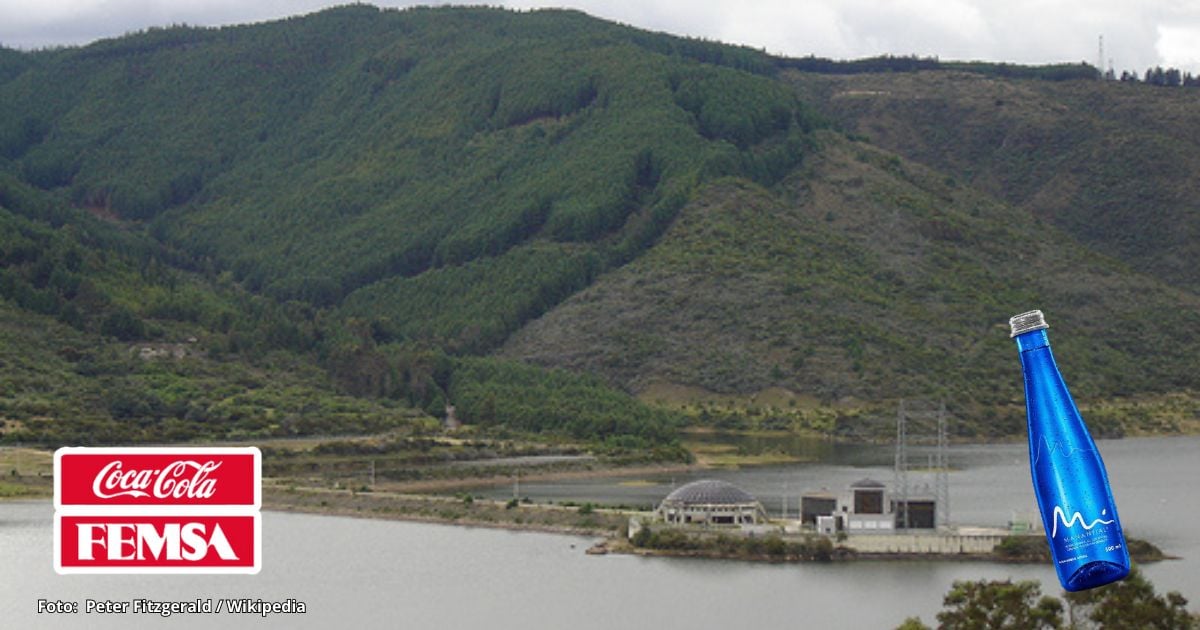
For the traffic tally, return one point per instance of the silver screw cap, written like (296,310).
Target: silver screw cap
(1026,322)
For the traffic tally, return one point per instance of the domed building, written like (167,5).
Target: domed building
(711,501)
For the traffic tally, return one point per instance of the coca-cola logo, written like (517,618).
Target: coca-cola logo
(158,476)
(170,482)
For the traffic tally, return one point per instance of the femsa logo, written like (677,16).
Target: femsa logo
(157,544)
(157,510)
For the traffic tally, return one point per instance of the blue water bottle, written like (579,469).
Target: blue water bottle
(1078,512)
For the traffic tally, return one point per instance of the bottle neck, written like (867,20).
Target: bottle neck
(1032,340)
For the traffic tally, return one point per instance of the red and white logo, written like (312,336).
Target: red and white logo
(158,510)
(126,544)
(158,477)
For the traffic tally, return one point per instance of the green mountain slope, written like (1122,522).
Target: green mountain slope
(351,210)
(471,160)
(102,340)
(865,277)
(1110,163)
(354,148)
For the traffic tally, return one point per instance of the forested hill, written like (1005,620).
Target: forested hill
(1111,163)
(382,195)
(357,149)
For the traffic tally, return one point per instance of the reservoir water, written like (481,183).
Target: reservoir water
(388,574)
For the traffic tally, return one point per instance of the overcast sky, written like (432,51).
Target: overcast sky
(1136,34)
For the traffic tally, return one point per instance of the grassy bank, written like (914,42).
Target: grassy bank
(733,545)
(26,473)
(774,547)
(464,509)
(1033,549)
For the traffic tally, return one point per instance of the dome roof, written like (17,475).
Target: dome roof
(710,492)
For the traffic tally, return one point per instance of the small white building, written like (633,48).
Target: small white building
(867,507)
(711,502)
(831,524)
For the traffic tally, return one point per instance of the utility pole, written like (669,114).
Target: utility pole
(900,472)
(942,479)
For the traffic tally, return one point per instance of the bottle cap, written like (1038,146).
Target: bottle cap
(1027,322)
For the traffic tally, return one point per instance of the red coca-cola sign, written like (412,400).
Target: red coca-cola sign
(158,510)
(158,476)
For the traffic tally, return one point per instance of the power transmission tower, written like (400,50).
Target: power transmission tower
(925,424)
(942,476)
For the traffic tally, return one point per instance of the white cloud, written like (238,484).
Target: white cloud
(27,24)
(1179,46)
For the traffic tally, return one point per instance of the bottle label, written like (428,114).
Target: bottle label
(1075,538)
(1076,518)
(1081,523)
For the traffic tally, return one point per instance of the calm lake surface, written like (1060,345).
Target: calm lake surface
(386,574)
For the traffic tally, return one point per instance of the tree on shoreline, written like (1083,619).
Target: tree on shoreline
(994,605)
(1130,603)
(990,604)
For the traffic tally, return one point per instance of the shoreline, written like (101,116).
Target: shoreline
(612,532)
(841,554)
(604,524)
